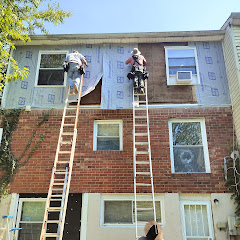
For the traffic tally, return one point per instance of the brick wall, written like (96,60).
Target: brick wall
(112,171)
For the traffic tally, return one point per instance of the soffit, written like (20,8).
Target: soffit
(154,37)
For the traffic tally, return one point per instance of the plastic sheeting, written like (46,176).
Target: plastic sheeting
(104,60)
(213,89)
(116,88)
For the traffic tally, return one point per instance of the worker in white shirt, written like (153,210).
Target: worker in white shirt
(75,61)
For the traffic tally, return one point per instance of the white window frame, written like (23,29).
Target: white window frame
(1,133)
(204,142)
(119,122)
(21,201)
(38,67)
(172,79)
(209,215)
(125,197)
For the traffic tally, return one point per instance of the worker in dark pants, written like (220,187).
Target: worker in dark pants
(138,71)
(153,231)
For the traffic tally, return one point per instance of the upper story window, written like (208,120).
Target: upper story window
(197,220)
(120,210)
(107,135)
(50,71)
(188,145)
(30,218)
(182,65)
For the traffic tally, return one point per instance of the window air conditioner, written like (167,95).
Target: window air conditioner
(184,77)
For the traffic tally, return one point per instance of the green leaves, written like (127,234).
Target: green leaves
(19,19)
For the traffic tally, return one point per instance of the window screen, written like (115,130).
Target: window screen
(187,147)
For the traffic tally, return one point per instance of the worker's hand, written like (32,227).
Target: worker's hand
(86,64)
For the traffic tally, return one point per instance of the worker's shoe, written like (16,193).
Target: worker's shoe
(72,92)
(75,89)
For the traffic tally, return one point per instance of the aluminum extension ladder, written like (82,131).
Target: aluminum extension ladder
(143,177)
(57,199)
(7,230)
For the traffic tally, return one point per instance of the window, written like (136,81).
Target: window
(188,145)
(50,71)
(107,135)
(30,218)
(181,65)
(119,210)
(197,221)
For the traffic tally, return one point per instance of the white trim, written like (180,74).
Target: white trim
(38,67)
(1,132)
(204,142)
(209,215)
(21,200)
(172,80)
(127,197)
(84,217)
(119,122)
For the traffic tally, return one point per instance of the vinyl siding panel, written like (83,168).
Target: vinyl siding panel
(231,45)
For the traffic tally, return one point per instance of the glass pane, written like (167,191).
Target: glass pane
(196,221)
(146,216)
(118,212)
(32,211)
(189,159)
(106,143)
(30,231)
(174,70)
(181,53)
(52,60)
(108,130)
(51,77)
(187,133)
(181,62)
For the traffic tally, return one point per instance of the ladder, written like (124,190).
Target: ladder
(143,177)
(57,199)
(7,227)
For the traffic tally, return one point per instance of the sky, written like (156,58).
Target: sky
(124,16)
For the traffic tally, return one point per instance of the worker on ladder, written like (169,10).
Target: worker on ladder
(75,61)
(138,70)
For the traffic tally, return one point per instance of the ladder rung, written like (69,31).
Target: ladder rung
(69,124)
(143,173)
(140,94)
(141,152)
(53,221)
(142,162)
(64,152)
(57,189)
(139,101)
(62,162)
(61,172)
(55,200)
(66,142)
(67,133)
(70,116)
(58,195)
(141,134)
(51,235)
(59,184)
(141,116)
(143,184)
(140,125)
(55,208)
(72,100)
(141,143)
(144,209)
(71,108)
(140,108)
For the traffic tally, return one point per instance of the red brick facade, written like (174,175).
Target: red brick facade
(112,171)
